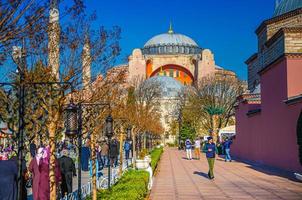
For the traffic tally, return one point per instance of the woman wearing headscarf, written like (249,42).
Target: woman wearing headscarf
(39,167)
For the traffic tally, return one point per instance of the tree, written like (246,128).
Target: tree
(210,104)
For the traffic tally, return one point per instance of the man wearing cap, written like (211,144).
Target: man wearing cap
(210,150)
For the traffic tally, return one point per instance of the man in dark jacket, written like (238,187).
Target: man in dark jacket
(8,179)
(85,156)
(114,151)
(68,171)
(211,150)
(227,149)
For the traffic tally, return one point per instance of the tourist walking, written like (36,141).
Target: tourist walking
(227,149)
(188,145)
(68,170)
(127,148)
(114,152)
(210,149)
(104,154)
(197,148)
(85,156)
(8,181)
(39,167)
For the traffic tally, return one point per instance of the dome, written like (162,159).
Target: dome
(169,86)
(285,6)
(171,43)
(171,39)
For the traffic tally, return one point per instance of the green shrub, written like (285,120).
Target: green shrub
(132,186)
(155,157)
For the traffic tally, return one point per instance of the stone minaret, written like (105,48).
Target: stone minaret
(53,63)
(86,64)
(54,39)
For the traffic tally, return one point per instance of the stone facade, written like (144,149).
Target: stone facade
(278,35)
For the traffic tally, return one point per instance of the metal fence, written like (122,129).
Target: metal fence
(102,183)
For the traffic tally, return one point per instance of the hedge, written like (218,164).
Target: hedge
(155,156)
(133,186)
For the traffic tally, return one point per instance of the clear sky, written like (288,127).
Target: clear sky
(224,26)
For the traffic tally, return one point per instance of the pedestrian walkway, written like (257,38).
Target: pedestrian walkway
(179,178)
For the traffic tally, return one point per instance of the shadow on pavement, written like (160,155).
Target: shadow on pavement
(201,174)
(269,170)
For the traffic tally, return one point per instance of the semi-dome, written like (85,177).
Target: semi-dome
(171,43)
(169,86)
(285,6)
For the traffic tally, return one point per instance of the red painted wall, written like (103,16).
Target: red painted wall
(269,137)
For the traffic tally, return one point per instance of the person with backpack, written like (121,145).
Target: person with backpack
(188,145)
(211,150)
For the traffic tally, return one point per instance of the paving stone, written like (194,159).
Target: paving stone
(187,179)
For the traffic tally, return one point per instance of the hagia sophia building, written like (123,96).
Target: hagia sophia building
(173,55)
(173,60)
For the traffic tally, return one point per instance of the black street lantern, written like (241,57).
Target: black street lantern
(109,126)
(71,121)
(129,135)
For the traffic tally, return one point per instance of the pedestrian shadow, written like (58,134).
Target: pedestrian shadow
(201,174)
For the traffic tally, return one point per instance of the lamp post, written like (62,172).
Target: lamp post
(73,124)
(109,134)
(179,129)
(19,59)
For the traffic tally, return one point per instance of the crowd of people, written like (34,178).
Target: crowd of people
(35,167)
(210,149)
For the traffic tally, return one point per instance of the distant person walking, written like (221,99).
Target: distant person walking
(68,170)
(104,154)
(188,145)
(114,151)
(197,148)
(227,149)
(210,149)
(85,156)
(127,148)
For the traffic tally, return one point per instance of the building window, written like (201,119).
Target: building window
(170,49)
(171,73)
(161,49)
(181,50)
(187,50)
(165,49)
(176,49)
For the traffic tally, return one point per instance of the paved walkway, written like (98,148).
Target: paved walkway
(179,178)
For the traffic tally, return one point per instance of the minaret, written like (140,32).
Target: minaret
(54,39)
(86,64)
(53,63)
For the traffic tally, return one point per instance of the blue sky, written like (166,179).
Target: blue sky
(224,26)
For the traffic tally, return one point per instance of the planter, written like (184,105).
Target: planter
(298,176)
(141,164)
(148,158)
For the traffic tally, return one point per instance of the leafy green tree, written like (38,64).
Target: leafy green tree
(187,132)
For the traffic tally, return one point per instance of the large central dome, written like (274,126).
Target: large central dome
(171,39)
(171,43)
(285,6)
